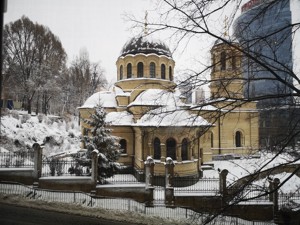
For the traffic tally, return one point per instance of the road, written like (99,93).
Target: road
(18,215)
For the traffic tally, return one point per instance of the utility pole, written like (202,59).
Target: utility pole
(3,10)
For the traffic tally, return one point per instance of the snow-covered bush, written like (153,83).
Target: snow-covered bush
(25,118)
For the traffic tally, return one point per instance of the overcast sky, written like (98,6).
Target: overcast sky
(97,25)
(100,27)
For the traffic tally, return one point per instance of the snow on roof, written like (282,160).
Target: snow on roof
(158,97)
(104,98)
(168,116)
(119,118)
(120,92)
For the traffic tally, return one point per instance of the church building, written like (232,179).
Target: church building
(146,110)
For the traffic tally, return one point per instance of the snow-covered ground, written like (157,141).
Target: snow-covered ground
(22,131)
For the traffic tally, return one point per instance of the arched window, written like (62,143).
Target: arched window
(152,70)
(238,139)
(140,69)
(157,150)
(129,70)
(123,146)
(184,149)
(171,148)
(211,139)
(223,60)
(170,73)
(121,72)
(163,71)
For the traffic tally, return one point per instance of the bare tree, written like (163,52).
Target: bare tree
(33,59)
(197,21)
(82,79)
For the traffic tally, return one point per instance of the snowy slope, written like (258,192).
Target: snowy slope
(21,131)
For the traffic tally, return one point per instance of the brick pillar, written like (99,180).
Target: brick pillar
(276,183)
(149,179)
(169,185)
(95,166)
(38,151)
(222,184)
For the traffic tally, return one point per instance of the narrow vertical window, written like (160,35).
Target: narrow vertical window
(238,139)
(170,73)
(233,61)
(171,148)
(121,72)
(129,70)
(140,69)
(163,71)
(184,149)
(152,70)
(123,146)
(223,61)
(157,150)
(211,139)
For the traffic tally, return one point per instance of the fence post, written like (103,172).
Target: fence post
(95,166)
(38,151)
(276,183)
(222,183)
(169,178)
(149,178)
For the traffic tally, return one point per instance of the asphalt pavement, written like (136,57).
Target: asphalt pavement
(19,215)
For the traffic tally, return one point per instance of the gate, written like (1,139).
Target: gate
(159,190)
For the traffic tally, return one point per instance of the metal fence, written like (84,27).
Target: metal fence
(291,200)
(196,185)
(59,167)
(187,216)
(250,194)
(16,159)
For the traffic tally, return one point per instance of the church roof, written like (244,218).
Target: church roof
(106,99)
(145,44)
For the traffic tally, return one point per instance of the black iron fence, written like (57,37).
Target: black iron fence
(60,167)
(184,215)
(290,200)
(193,185)
(20,159)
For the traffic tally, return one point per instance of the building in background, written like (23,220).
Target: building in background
(264,31)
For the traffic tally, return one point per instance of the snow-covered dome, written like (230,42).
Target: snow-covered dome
(145,45)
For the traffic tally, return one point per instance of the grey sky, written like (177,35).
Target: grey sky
(97,25)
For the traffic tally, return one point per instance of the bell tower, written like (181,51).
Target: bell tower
(226,73)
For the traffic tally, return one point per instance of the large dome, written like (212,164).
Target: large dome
(145,45)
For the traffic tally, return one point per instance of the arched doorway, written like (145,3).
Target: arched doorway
(171,148)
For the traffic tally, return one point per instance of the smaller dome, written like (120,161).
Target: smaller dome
(145,45)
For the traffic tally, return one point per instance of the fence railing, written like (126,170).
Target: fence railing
(193,185)
(291,200)
(187,216)
(249,193)
(58,167)
(16,159)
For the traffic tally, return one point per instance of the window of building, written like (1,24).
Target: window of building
(223,60)
(238,139)
(157,150)
(211,139)
(233,62)
(163,71)
(129,70)
(123,146)
(184,149)
(170,73)
(171,148)
(140,69)
(152,70)
(121,72)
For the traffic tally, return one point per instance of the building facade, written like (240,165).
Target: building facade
(151,118)
(263,30)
